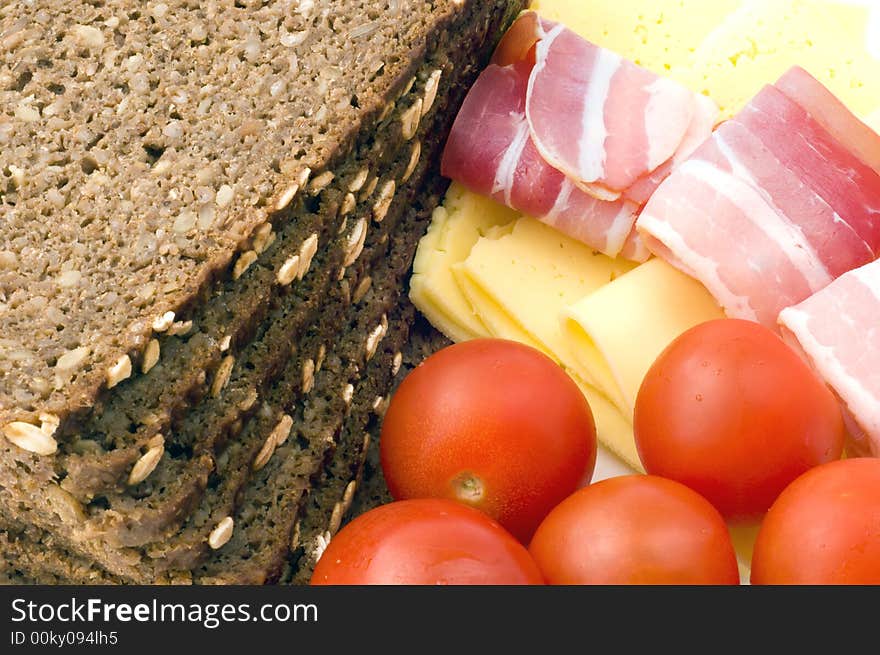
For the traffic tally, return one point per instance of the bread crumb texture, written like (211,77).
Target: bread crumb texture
(141,144)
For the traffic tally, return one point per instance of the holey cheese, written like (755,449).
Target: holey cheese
(455,228)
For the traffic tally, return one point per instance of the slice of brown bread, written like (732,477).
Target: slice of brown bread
(24,549)
(353,483)
(157,140)
(139,524)
(207,466)
(234,420)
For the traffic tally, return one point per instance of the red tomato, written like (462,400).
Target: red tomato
(491,423)
(635,529)
(732,412)
(421,542)
(824,528)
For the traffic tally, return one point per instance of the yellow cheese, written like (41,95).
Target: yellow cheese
(658,34)
(455,228)
(761,40)
(874,121)
(613,429)
(616,333)
(518,283)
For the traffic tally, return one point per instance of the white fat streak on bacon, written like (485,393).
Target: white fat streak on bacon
(591,152)
(664,241)
(742,171)
(506,173)
(621,225)
(860,401)
(765,217)
(594,131)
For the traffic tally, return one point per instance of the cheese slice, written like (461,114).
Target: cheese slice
(518,283)
(874,121)
(455,227)
(613,429)
(616,333)
(759,41)
(659,35)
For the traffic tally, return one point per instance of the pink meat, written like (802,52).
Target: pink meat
(838,247)
(704,119)
(489,150)
(832,114)
(600,119)
(721,230)
(849,186)
(837,329)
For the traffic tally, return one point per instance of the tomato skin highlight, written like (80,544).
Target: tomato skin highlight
(824,528)
(731,411)
(425,542)
(635,529)
(492,423)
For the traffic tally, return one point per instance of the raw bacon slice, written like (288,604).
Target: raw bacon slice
(489,150)
(803,146)
(704,119)
(837,330)
(719,229)
(766,212)
(832,114)
(600,119)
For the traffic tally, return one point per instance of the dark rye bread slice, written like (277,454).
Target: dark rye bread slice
(157,140)
(318,422)
(379,158)
(28,556)
(266,517)
(207,464)
(353,483)
(138,528)
(86,474)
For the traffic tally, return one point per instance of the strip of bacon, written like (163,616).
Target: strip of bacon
(832,114)
(600,119)
(719,229)
(836,329)
(802,145)
(490,151)
(704,119)
(768,211)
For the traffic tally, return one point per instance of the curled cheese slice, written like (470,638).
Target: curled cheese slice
(615,334)
(518,282)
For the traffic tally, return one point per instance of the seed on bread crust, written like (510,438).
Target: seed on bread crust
(151,356)
(30,437)
(120,371)
(221,534)
(146,465)
(221,378)
(413,160)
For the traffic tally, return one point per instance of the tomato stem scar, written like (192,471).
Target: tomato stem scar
(468,487)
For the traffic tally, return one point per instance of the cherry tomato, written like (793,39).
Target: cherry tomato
(491,423)
(635,529)
(824,528)
(421,542)
(732,412)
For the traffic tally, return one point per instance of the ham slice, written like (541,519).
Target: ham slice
(490,151)
(837,330)
(767,212)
